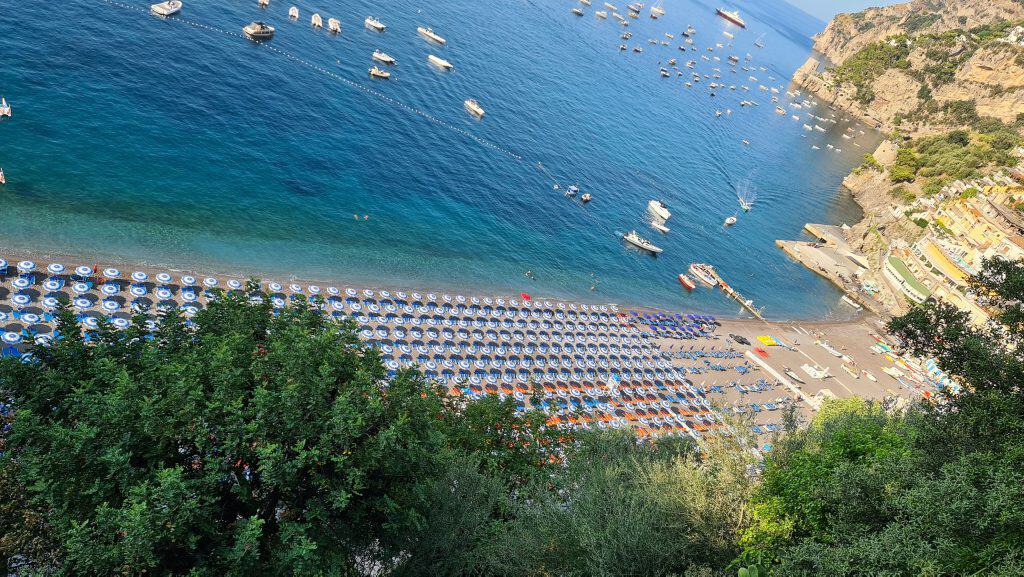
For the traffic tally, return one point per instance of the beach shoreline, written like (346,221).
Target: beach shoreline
(70,259)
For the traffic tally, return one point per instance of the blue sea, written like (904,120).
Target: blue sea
(176,142)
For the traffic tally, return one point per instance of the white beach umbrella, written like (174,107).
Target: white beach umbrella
(12,338)
(83,270)
(55,268)
(111,272)
(51,284)
(164,277)
(21,283)
(139,276)
(188,280)
(210,282)
(26,266)
(234,284)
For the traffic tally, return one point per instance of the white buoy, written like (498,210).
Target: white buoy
(293,13)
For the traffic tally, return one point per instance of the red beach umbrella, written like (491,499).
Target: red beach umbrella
(524,296)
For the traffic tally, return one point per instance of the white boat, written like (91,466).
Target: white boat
(474,108)
(263,3)
(576,11)
(378,73)
(733,17)
(640,242)
(816,371)
(659,227)
(659,209)
(5,109)
(259,31)
(780,111)
(293,13)
(316,21)
(610,6)
(334,25)
(382,57)
(601,14)
(429,34)
(3,179)
(168,8)
(705,273)
(439,62)
(730,221)
(374,24)
(585,2)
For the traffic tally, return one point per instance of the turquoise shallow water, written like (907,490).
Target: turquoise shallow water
(170,142)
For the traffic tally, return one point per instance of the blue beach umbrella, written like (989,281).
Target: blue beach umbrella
(21,283)
(51,284)
(111,305)
(234,284)
(21,299)
(12,338)
(164,293)
(50,302)
(188,280)
(137,290)
(139,276)
(82,303)
(30,318)
(120,323)
(295,288)
(55,268)
(275,287)
(164,277)
(210,282)
(110,289)
(26,266)
(3,265)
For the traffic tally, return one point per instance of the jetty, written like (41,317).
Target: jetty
(744,302)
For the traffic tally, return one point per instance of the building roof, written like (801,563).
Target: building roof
(901,267)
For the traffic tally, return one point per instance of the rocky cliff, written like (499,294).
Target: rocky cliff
(899,67)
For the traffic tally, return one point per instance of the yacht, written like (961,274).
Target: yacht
(334,25)
(659,209)
(439,62)
(733,17)
(382,57)
(168,8)
(378,73)
(374,24)
(730,221)
(429,34)
(316,21)
(293,13)
(640,242)
(259,31)
(474,108)
(704,273)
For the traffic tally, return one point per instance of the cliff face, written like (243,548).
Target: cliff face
(898,67)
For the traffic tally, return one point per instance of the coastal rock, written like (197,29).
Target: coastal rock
(885,154)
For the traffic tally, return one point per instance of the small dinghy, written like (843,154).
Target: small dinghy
(334,25)
(293,13)
(687,282)
(378,73)
(169,8)
(316,21)
(5,109)
(263,3)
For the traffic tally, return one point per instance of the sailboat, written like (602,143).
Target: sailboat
(760,41)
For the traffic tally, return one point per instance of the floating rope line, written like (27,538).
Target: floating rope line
(330,74)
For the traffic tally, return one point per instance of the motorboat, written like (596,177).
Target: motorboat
(334,25)
(730,221)
(659,209)
(374,24)
(705,273)
(660,227)
(168,8)
(429,34)
(572,190)
(601,14)
(317,21)
(780,111)
(378,73)
(664,73)
(293,13)
(622,47)
(640,242)
(576,11)
(259,31)
(474,108)
(733,17)
(610,6)
(439,62)
(5,109)
(637,49)
(263,3)
(585,2)
(586,198)
(382,57)
(686,282)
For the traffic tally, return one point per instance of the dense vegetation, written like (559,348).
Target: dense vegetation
(869,63)
(249,443)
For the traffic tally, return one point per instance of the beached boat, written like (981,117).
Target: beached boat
(730,221)
(374,24)
(382,57)
(851,371)
(5,109)
(869,376)
(659,209)
(316,20)
(816,371)
(259,31)
(439,62)
(733,17)
(334,25)
(789,373)
(429,34)
(293,13)
(705,273)
(378,73)
(474,108)
(686,282)
(640,242)
(168,8)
